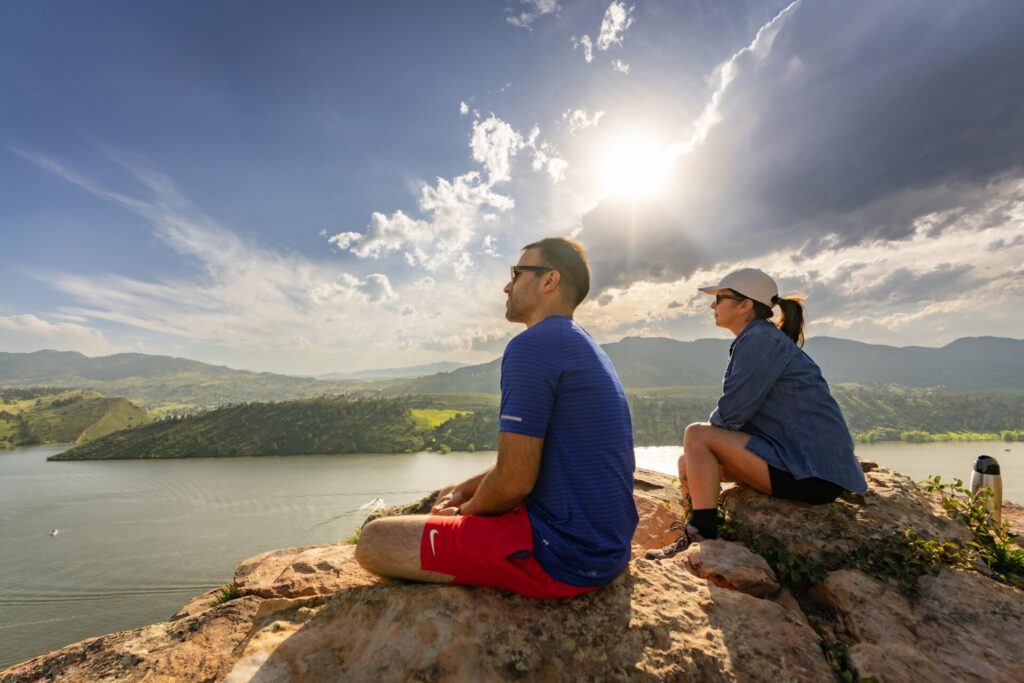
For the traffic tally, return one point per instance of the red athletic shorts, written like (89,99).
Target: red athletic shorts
(496,552)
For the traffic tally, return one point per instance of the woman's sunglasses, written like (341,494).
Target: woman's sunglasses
(731,297)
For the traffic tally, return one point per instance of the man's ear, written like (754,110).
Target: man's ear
(553,277)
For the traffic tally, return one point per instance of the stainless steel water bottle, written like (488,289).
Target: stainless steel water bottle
(986,473)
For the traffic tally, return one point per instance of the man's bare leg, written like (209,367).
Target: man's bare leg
(390,546)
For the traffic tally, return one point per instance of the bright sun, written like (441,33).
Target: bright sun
(633,168)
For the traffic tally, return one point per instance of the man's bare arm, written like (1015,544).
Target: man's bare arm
(512,477)
(457,494)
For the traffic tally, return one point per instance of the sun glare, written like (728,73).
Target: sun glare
(633,168)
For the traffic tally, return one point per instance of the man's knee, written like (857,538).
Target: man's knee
(368,548)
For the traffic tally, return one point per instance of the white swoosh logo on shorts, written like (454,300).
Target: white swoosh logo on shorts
(433,532)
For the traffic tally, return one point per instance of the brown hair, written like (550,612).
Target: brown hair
(792,321)
(570,260)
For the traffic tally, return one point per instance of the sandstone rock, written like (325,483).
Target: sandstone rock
(201,648)
(313,614)
(302,572)
(893,502)
(786,598)
(964,627)
(198,604)
(656,520)
(731,565)
(1013,515)
(656,622)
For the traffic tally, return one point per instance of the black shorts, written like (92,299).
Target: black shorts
(810,490)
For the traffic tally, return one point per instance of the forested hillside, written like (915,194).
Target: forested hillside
(318,425)
(470,422)
(34,416)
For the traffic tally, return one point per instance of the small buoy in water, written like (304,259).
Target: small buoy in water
(54,532)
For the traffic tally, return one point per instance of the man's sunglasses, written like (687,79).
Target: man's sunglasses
(731,297)
(536,269)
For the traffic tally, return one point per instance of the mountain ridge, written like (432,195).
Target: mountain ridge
(982,363)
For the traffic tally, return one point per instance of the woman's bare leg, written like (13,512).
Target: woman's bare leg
(710,453)
(684,487)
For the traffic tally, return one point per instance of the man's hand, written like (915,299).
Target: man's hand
(455,495)
(512,477)
(448,501)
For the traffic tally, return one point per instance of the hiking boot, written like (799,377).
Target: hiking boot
(690,535)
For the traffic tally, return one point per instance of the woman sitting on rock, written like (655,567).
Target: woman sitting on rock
(776,428)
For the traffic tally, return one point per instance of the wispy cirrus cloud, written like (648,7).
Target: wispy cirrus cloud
(535,9)
(29,332)
(240,296)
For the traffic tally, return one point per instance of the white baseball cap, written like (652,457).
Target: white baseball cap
(750,282)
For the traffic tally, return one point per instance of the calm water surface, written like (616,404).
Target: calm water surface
(137,539)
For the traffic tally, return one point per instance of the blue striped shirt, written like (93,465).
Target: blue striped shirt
(773,391)
(559,385)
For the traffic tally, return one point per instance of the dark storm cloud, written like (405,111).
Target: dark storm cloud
(847,290)
(844,123)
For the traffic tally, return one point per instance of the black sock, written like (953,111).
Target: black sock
(706,521)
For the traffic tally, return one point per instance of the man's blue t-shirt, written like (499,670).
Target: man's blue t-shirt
(559,385)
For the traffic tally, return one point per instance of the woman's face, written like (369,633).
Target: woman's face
(731,312)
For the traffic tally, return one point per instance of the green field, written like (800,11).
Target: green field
(429,418)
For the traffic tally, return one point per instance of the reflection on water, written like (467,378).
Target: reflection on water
(137,539)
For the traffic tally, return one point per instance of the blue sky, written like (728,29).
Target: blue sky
(315,187)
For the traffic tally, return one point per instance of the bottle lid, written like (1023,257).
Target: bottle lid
(986,464)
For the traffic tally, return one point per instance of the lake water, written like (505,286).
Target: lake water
(137,539)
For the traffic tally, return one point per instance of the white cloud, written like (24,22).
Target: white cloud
(537,9)
(375,287)
(490,246)
(925,291)
(463,108)
(617,18)
(581,119)
(494,143)
(587,45)
(28,332)
(454,209)
(545,157)
(620,66)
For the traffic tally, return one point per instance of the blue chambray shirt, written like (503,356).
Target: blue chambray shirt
(773,391)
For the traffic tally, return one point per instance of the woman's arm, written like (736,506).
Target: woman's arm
(756,364)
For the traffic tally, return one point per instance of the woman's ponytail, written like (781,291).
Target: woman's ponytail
(792,321)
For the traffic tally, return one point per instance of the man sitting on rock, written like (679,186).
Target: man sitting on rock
(554,516)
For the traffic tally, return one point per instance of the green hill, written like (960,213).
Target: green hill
(470,422)
(972,364)
(158,383)
(43,416)
(317,425)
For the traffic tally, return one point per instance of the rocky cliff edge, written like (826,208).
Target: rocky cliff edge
(833,592)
